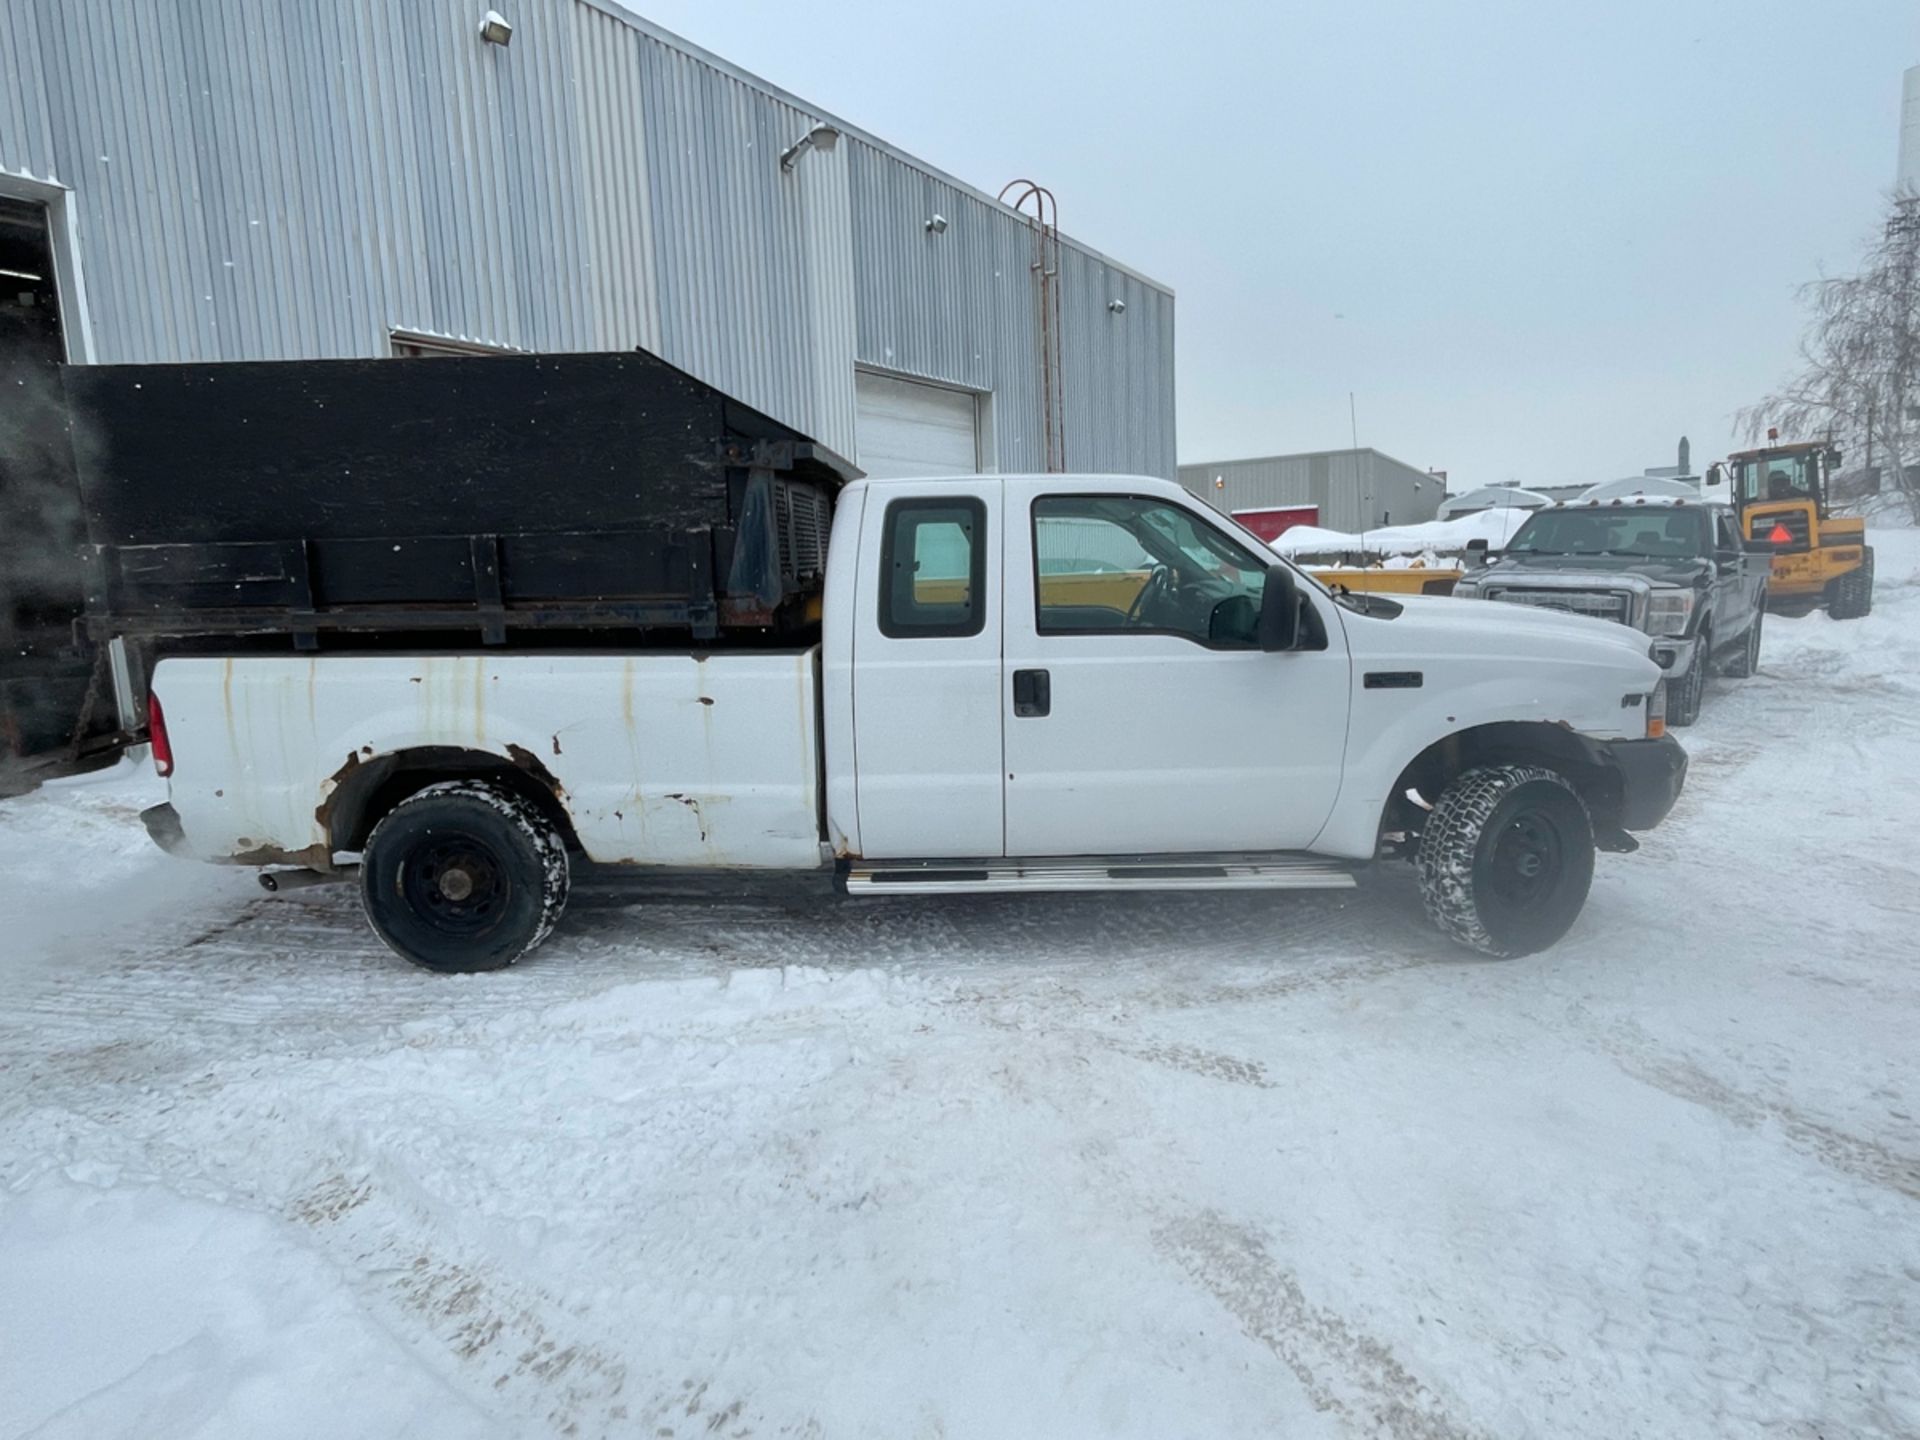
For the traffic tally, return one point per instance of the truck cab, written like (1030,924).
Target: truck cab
(1021,682)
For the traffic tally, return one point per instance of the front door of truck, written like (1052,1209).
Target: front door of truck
(1140,714)
(926,671)
(1737,577)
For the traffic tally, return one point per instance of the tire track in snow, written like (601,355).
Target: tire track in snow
(517,1345)
(1344,1371)
(1341,1368)
(1852,1155)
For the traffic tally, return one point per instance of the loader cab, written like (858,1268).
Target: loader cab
(1787,473)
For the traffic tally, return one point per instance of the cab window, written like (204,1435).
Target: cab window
(933,566)
(1118,564)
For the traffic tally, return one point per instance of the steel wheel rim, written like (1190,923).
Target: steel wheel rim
(1529,858)
(456,883)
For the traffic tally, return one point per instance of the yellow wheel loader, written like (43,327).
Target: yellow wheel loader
(1780,494)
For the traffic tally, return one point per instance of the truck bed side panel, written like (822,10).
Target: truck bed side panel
(659,759)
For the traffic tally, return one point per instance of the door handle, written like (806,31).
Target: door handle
(1032,693)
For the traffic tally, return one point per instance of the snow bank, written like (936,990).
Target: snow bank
(1435,537)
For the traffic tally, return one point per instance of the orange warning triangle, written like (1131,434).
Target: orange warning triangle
(1780,536)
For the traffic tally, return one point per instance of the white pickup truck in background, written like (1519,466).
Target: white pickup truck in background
(1022,683)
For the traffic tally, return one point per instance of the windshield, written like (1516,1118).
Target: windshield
(1666,532)
(1775,477)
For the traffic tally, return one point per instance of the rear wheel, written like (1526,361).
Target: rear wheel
(1851,596)
(1747,662)
(1506,859)
(464,876)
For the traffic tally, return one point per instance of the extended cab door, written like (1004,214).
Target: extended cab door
(1140,714)
(926,670)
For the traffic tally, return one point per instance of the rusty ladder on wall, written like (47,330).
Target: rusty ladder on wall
(1042,213)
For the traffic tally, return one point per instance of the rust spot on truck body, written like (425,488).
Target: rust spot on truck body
(694,805)
(534,766)
(317,856)
(323,812)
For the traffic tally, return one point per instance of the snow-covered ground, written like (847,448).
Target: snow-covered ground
(731,1163)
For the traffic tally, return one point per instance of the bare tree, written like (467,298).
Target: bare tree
(1861,353)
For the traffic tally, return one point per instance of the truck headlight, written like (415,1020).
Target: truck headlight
(1668,612)
(1467,590)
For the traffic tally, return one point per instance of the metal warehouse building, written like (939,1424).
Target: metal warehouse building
(231,180)
(1352,489)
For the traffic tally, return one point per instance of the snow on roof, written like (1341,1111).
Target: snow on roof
(1437,537)
(1641,485)
(1491,497)
(1625,501)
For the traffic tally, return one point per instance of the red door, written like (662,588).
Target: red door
(1272,521)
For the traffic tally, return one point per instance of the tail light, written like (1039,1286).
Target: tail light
(1657,712)
(157,735)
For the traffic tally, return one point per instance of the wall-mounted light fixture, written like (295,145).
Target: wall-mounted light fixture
(822,137)
(937,225)
(495,30)
(1117,306)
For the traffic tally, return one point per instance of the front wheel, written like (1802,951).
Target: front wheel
(1685,694)
(1851,596)
(1506,859)
(464,876)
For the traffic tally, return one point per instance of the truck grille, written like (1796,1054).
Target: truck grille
(1614,605)
(1794,522)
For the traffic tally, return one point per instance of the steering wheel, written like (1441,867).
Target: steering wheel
(1158,587)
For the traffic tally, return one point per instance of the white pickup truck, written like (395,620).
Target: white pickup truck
(1022,683)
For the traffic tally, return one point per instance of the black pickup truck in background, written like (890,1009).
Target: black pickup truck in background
(1676,569)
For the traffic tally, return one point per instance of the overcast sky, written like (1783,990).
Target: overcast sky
(1539,241)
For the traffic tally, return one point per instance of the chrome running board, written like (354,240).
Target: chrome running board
(1098,872)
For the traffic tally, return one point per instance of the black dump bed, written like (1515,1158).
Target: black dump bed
(538,499)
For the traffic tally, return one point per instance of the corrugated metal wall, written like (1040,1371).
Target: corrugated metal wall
(266,179)
(1355,489)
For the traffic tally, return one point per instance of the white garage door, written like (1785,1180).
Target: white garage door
(906,428)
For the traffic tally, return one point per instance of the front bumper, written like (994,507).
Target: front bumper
(1652,773)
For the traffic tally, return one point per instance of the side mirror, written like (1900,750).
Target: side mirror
(1235,621)
(1279,611)
(1477,547)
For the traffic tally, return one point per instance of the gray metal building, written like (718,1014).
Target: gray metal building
(232,179)
(1354,489)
